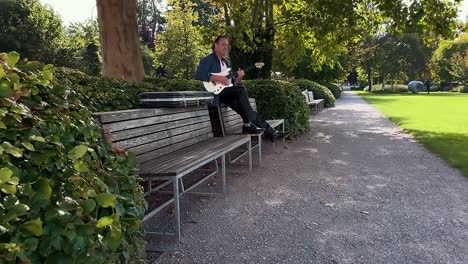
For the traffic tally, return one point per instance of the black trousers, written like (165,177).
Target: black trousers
(236,98)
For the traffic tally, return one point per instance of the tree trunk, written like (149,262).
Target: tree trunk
(383,80)
(121,55)
(370,78)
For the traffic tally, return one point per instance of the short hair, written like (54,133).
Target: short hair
(218,38)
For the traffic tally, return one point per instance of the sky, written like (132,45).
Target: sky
(81,10)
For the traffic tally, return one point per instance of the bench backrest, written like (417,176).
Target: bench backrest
(232,121)
(306,95)
(311,95)
(150,133)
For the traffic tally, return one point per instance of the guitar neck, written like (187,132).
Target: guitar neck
(233,74)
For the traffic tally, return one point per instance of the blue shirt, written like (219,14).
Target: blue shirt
(207,65)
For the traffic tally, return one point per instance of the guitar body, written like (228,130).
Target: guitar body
(217,88)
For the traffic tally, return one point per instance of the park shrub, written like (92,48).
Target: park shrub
(280,100)
(320,91)
(104,94)
(397,88)
(65,195)
(181,85)
(335,89)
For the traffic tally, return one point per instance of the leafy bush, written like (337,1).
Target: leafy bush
(65,195)
(335,89)
(462,89)
(181,85)
(105,94)
(280,100)
(320,91)
(397,88)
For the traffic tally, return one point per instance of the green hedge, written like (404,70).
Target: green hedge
(65,195)
(320,91)
(105,94)
(280,100)
(397,88)
(335,89)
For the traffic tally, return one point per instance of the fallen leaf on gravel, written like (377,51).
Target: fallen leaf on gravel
(365,212)
(329,205)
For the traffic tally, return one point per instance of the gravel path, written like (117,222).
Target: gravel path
(355,189)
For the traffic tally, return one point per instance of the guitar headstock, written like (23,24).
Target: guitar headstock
(259,65)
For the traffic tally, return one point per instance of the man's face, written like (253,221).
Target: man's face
(222,47)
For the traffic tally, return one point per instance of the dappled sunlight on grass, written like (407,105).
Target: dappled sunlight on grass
(438,120)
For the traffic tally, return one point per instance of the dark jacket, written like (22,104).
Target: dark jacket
(208,65)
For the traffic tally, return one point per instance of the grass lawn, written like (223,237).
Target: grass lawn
(438,120)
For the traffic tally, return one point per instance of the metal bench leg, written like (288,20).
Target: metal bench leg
(250,155)
(176,209)
(223,172)
(259,138)
(284,139)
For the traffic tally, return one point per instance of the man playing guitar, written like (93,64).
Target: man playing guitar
(235,95)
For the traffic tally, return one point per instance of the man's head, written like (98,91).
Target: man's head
(221,46)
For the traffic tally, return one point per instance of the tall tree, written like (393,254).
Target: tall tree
(119,39)
(150,21)
(33,30)
(180,47)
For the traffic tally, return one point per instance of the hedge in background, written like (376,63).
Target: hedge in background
(320,91)
(335,89)
(105,94)
(280,100)
(65,195)
(397,88)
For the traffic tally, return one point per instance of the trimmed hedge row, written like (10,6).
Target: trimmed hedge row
(397,88)
(280,100)
(320,91)
(66,196)
(335,89)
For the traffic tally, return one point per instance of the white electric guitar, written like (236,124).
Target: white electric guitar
(216,88)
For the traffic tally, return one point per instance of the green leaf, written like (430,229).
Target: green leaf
(80,166)
(2,125)
(112,238)
(12,58)
(34,226)
(43,189)
(12,150)
(105,199)
(88,206)
(30,66)
(5,174)
(19,209)
(37,138)
(28,146)
(77,152)
(5,90)
(48,75)
(8,188)
(104,221)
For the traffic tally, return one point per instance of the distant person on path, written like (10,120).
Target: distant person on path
(428,85)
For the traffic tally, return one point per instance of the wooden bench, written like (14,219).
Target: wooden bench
(169,144)
(231,124)
(317,105)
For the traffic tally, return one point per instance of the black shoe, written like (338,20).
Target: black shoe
(277,136)
(252,129)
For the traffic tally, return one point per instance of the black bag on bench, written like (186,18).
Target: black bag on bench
(175,99)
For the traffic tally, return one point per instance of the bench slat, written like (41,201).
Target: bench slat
(158,136)
(114,116)
(141,122)
(150,155)
(184,160)
(153,146)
